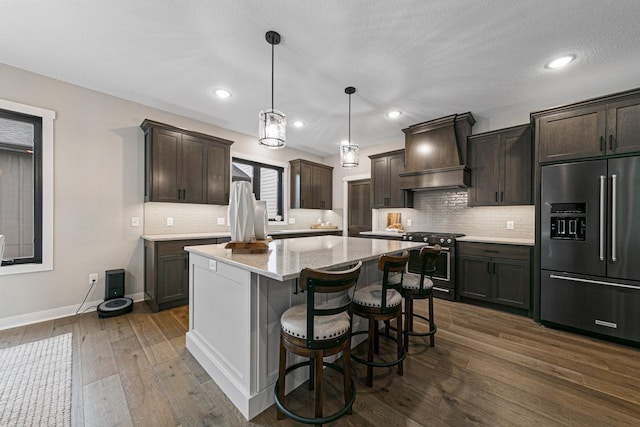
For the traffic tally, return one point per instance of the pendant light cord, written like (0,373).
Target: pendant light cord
(349,119)
(272,47)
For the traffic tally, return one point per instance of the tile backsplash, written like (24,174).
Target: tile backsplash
(447,211)
(192,218)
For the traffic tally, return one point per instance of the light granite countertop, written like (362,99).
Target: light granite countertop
(502,240)
(160,237)
(287,257)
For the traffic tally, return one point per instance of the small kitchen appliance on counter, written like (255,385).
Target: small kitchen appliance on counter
(444,278)
(115,303)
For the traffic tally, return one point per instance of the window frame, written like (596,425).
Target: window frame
(44,176)
(256,180)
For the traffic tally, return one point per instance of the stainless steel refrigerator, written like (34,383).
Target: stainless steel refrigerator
(590,247)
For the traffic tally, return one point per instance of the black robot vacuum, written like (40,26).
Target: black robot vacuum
(115,303)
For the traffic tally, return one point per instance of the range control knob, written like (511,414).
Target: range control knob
(425,239)
(441,240)
(410,237)
(449,241)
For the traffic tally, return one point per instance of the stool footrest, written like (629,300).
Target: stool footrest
(310,420)
(378,364)
(422,334)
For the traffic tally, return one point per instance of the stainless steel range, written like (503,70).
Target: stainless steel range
(444,278)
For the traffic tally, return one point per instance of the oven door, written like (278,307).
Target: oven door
(443,264)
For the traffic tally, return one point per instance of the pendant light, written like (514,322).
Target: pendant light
(272,125)
(348,150)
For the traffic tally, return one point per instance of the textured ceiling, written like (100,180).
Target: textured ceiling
(427,59)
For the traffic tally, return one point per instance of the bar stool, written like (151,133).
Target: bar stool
(382,301)
(316,331)
(420,286)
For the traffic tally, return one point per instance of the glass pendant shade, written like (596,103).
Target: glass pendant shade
(272,129)
(349,155)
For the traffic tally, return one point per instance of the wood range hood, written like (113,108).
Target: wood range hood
(436,154)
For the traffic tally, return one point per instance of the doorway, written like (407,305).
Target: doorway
(359,210)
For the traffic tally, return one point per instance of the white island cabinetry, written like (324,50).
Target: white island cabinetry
(236,301)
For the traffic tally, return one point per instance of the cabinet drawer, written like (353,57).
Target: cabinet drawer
(590,306)
(176,247)
(494,250)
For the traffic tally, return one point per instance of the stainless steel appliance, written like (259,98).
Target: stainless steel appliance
(444,280)
(590,246)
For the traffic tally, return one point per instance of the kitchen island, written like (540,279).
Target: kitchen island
(236,301)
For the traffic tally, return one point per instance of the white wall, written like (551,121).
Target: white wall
(98,187)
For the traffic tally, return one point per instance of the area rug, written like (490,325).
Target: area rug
(35,383)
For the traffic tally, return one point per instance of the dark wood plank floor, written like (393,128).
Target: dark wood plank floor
(488,368)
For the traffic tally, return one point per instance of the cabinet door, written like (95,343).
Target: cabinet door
(515,185)
(194,170)
(165,153)
(475,277)
(173,278)
(511,282)
(623,126)
(395,196)
(379,182)
(322,184)
(217,174)
(485,171)
(306,187)
(572,134)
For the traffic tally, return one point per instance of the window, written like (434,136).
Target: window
(26,187)
(267,184)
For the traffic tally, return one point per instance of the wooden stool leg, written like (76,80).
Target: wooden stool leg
(282,372)
(312,369)
(372,325)
(399,341)
(376,339)
(432,322)
(318,383)
(346,360)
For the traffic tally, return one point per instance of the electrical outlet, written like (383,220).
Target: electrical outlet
(292,220)
(220,221)
(510,225)
(169,221)
(409,223)
(213,264)
(135,221)
(93,278)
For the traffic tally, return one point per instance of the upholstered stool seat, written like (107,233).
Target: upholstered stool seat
(294,323)
(381,301)
(315,331)
(412,281)
(371,296)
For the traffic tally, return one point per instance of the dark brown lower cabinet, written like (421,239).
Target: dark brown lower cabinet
(495,273)
(166,271)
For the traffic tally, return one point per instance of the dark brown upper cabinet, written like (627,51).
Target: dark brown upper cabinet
(501,165)
(594,128)
(183,166)
(311,185)
(385,181)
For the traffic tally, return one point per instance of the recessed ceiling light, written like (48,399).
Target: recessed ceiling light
(298,124)
(560,62)
(393,114)
(221,93)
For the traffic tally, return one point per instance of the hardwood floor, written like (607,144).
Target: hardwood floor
(487,368)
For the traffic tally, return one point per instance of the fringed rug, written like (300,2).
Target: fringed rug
(35,383)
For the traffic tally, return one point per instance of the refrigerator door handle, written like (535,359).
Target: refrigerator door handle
(614,185)
(602,206)
(595,282)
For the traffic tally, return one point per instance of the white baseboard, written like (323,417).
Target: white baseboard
(55,313)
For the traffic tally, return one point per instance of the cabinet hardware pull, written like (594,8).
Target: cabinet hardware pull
(494,267)
(502,196)
(493,251)
(602,144)
(595,282)
(496,196)
(184,194)
(611,142)
(489,267)
(178,194)
(602,202)
(614,211)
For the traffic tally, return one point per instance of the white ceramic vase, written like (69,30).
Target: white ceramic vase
(261,220)
(241,211)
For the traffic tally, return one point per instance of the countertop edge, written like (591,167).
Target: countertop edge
(198,236)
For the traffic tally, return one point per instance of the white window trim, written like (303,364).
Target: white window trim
(48,117)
